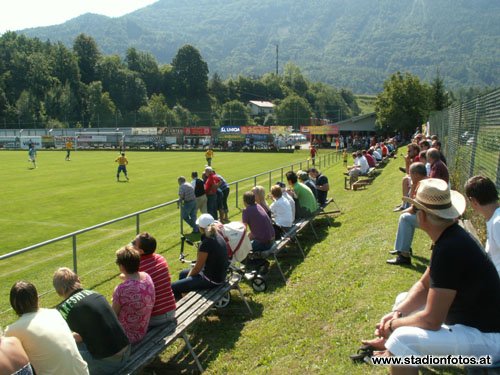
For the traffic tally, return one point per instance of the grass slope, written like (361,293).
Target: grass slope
(310,325)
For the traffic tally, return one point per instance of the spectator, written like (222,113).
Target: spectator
(211,185)
(322,185)
(344,157)
(376,154)
(187,203)
(157,268)
(261,229)
(483,198)
(360,166)
(287,196)
(437,145)
(199,192)
(304,178)
(100,338)
(281,210)
(44,334)
(306,204)
(13,358)
(370,159)
(449,311)
(313,152)
(411,157)
(223,193)
(423,159)
(211,264)
(407,220)
(133,300)
(260,198)
(385,150)
(438,168)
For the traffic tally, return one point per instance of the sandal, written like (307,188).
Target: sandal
(362,354)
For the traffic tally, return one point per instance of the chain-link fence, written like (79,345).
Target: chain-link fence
(470,136)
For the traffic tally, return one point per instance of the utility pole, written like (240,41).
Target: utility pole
(277,59)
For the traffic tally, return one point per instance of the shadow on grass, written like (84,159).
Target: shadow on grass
(215,333)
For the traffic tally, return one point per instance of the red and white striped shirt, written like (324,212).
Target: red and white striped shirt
(156,266)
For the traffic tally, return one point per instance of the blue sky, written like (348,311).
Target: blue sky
(22,14)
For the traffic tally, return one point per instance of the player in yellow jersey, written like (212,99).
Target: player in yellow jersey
(209,154)
(122,166)
(69,146)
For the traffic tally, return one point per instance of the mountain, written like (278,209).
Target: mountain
(355,44)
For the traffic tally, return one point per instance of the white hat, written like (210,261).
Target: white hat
(434,196)
(205,220)
(210,169)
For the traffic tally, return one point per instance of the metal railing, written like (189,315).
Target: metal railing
(323,160)
(470,136)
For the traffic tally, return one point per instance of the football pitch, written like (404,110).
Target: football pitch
(60,197)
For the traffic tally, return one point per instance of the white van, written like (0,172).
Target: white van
(297,138)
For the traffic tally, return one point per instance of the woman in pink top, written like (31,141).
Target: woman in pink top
(133,300)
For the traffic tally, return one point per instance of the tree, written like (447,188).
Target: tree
(440,99)
(293,111)
(218,89)
(403,104)
(235,113)
(294,80)
(88,56)
(190,73)
(145,65)
(100,106)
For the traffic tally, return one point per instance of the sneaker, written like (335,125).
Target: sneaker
(394,252)
(399,260)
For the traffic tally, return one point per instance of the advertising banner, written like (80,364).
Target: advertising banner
(204,131)
(231,137)
(35,140)
(170,131)
(230,129)
(280,130)
(92,138)
(255,130)
(144,131)
(320,129)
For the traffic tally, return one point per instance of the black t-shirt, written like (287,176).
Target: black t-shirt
(459,263)
(312,186)
(199,188)
(321,180)
(217,260)
(90,315)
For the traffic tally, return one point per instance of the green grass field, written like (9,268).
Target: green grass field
(310,325)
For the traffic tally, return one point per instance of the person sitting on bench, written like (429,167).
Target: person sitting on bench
(281,210)
(306,203)
(211,264)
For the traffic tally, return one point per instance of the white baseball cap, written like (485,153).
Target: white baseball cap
(205,220)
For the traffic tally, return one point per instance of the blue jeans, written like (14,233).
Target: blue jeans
(257,247)
(406,229)
(187,284)
(103,366)
(212,205)
(188,212)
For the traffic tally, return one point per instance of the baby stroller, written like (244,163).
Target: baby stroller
(238,247)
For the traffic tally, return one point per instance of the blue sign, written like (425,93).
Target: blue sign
(230,129)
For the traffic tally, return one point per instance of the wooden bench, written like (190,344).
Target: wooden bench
(355,183)
(189,309)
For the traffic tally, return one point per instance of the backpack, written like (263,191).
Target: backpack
(237,240)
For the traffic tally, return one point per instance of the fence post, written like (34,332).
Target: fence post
(270,177)
(179,205)
(237,200)
(74,254)
(137,224)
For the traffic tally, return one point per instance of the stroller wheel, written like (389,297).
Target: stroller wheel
(224,301)
(259,284)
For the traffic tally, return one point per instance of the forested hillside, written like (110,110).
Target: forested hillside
(350,43)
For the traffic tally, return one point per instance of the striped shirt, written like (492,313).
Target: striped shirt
(156,266)
(186,192)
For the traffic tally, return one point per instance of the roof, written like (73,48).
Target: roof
(262,104)
(356,118)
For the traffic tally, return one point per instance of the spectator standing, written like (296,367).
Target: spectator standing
(157,268)
(133,300)
(187,203)
(313,152)
(211,264)
(100,338)
(199,192)
(211,185)
(223,193)
(44,334)
(322,185)
(483,197)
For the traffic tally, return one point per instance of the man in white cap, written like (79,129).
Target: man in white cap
(454,308)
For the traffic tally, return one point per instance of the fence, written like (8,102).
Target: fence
(470,136)
(324,160)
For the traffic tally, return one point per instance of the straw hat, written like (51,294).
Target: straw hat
(434,196)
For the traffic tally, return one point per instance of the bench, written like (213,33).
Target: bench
(189,309)
(355,183)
